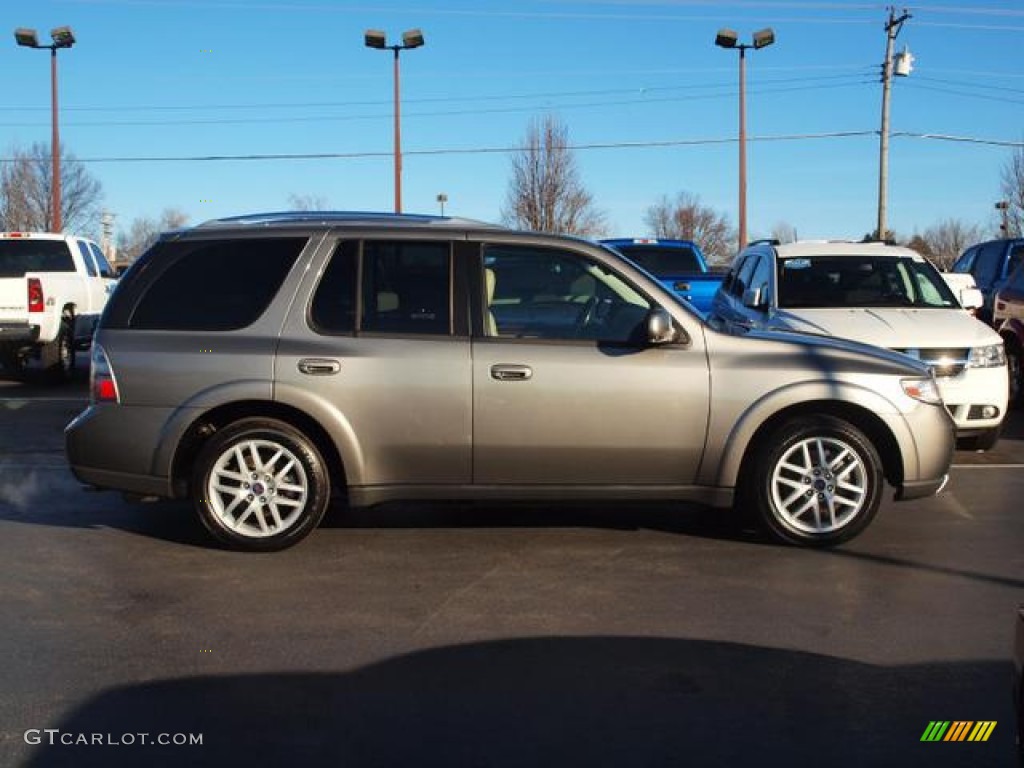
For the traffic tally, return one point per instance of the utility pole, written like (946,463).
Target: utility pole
(892,29)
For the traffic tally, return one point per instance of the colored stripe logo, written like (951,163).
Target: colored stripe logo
(958,730)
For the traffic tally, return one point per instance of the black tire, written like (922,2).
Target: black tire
(823,456)
(63,367)
(260,485)
(1013,370)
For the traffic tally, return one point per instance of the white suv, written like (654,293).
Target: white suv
(877,294)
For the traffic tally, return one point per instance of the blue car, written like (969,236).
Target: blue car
(679,265)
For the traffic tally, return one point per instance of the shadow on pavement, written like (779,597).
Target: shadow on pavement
(599,701)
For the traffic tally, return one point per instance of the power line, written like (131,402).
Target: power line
(729,93)
(858,71)
(261,157)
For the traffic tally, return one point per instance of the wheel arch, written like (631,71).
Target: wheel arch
(206,425)
(867,421)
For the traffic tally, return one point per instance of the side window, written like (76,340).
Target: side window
(333,309)
(214,285)
(101,261)
(406,287)
(762,279)
(986,264)
(87,258)
(539,293)
(966,261)
(744,276)
(1015,257)
(1016,282)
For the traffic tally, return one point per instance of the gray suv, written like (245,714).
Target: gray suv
(259,365)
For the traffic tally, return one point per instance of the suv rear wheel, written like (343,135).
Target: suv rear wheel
(260,485)
(816,481)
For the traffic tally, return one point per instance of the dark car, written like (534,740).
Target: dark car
(991,263)
(1008,318)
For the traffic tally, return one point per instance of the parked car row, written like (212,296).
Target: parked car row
(996,268)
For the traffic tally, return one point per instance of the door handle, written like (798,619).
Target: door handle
(506,372)
(319,366)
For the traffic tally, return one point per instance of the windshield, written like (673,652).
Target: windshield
(660,260)
(861,281)
(20,256)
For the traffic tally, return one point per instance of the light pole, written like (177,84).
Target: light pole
(413,38)
(62,38)
(727,38)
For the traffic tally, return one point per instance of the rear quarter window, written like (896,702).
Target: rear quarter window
(212,285)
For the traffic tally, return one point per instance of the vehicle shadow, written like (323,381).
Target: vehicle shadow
(552,701)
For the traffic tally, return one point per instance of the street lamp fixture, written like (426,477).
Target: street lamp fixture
(1003,206)
(727,38)
(412,38)
(62,37)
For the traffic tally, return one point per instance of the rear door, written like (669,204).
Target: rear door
(565,391)
(380,351)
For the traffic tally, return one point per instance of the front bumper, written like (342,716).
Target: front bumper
(968,393)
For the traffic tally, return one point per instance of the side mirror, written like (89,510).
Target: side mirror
(752,298)
(660,328)
(971,298)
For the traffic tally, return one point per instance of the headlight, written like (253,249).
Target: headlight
(924,390)
(992,356)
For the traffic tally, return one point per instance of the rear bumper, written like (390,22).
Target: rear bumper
(18,333)
(144,485)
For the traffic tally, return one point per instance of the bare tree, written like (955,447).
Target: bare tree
(1013,192)
(784,232)
(686,218)
(546,194)
(26,197)
(307,202)
(948,239)
(142,233)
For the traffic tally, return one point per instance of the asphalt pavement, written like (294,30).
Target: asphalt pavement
(479,635)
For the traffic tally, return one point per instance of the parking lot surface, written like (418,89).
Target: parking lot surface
(598,635)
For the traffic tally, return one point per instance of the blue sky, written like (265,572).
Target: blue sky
(176,79)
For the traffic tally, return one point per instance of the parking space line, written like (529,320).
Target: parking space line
(986,466)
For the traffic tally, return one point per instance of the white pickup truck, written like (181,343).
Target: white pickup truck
(52,291)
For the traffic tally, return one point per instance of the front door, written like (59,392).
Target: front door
(565,389)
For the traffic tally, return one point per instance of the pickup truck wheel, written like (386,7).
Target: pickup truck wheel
(260,485)
(816,482)
(63,366)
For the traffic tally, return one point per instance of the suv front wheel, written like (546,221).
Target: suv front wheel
(816,481)
(260,485)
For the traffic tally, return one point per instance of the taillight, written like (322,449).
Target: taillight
(102,384)
(36,303)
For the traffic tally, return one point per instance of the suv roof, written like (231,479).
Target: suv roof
(305,218)
(843,248)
